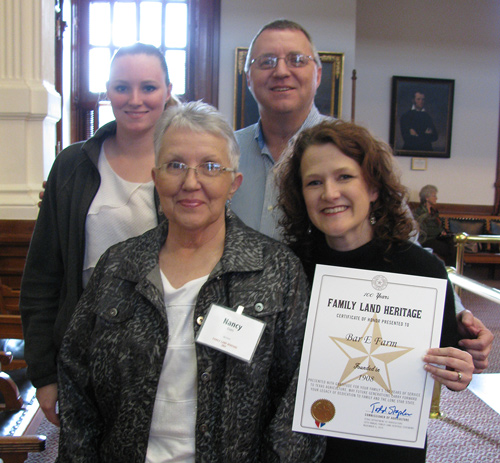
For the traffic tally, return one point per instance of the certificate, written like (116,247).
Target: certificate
(362,376)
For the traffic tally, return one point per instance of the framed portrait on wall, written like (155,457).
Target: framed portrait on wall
(421,116)
(328,96)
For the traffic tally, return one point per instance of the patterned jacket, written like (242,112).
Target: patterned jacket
(113,351)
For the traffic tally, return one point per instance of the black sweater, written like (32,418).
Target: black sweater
(406,258)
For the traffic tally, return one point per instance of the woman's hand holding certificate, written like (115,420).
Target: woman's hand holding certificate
(458,363)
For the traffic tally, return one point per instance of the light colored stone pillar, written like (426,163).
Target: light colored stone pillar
(29,105)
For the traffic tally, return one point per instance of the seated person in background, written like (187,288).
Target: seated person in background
(432,234)
(134,384)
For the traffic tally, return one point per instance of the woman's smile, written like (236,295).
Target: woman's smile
(190,203)
(136,114)
(337,197)
(334,210)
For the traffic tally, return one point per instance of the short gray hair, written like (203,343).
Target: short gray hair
(198,117)
(282,24)
(426,192)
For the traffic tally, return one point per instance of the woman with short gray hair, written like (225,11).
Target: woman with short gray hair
(432,233)
(152,369)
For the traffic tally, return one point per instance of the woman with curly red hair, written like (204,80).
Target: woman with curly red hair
(344,205)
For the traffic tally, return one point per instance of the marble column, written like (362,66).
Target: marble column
(30,107)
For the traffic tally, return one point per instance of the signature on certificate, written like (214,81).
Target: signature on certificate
(381,409)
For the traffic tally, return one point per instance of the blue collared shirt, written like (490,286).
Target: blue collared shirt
(256,200)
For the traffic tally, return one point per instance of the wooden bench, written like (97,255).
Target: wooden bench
(488,221)
(10,318)
(20,413)
(11,327)
(20,418)
(15,237)
(475,225)
(483,245)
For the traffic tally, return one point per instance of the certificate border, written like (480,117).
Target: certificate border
(304,417)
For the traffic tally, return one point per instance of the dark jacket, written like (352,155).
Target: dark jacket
(422,124)
(112,355)
(429,222)
(52,279)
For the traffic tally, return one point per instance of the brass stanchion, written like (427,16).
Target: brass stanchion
(436,397)
(460,241)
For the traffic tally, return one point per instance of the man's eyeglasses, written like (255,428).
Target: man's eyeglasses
(205,169)
(292,60)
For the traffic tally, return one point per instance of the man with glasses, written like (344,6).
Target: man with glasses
(283,72)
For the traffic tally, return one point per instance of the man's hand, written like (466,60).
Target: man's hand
(47,398)
(413,133)
(476,339)
(40,195)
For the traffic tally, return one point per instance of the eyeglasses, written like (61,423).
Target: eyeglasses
(205,169)
(292,60)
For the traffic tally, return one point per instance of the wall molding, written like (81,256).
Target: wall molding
(472,209)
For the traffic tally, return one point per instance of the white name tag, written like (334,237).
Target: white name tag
(231,332)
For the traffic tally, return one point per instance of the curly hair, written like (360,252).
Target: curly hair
(393,222)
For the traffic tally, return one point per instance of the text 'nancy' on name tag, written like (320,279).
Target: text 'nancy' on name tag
(231,332)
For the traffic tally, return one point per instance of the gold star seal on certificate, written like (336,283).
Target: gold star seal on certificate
(369,355)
